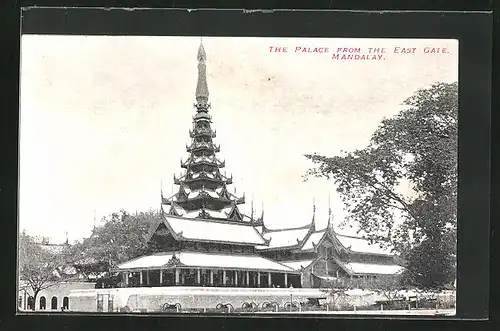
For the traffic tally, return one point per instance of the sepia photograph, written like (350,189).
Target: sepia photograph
(237,175)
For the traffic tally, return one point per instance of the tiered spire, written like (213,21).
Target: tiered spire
(202,86)
(203,189)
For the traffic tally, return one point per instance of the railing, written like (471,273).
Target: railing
(304,307)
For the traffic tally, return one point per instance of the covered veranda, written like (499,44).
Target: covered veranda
(206,269)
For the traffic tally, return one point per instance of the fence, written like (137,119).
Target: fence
(295,306)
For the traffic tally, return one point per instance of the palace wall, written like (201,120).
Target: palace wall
(59,292)
(152,299)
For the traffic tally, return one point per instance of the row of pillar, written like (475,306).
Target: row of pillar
(180,278)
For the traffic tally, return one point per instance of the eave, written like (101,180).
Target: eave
(179,237)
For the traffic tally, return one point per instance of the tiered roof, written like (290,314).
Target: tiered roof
(306,238)
(209,230)
(203,210)
(203,189)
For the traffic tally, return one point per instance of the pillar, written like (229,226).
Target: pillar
(161,277)
(286,280)
(269,279)
(223,277)
(211,272)
(198,276)
(147,277)
(140,277)
(258,279)
(183,277)
(177,276)
(236,277)
(248,279)
(126,278)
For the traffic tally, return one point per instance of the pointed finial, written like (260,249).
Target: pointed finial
(252,210)
(313,222)
(202,86)
(314,207)
(202,56)
(329,212)
(94,219)
(66,234)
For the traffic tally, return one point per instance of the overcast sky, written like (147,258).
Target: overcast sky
(105,119)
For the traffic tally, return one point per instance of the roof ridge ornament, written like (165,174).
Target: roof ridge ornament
(313,221)
(262,213)
(252,210)
(161,193)
(330,216)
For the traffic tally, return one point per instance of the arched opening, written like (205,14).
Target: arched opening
(65,303)
(53,303)
(43,303)
(31,303)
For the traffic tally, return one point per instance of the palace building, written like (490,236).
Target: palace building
(203,239)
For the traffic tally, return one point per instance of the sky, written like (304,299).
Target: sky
(104,120)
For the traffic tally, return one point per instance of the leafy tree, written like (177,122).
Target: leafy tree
(39,268)
(418,146)
(387,285)
(119,239)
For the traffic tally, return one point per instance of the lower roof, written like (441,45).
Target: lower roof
(284,238)
(372,268)
(299,264)
(362,245)
(209,230)
(205,260)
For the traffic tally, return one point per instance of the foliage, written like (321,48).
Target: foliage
(388,285)
(39,267)
(416,147)
(120,238)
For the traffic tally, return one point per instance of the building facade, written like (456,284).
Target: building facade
(55,294)
(203,239)
(54,298)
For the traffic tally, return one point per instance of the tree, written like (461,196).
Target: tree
(388,285)
(38,267)
(418,146)
(119,239)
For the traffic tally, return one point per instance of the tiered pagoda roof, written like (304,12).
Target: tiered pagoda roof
(203,188)
(307,239)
